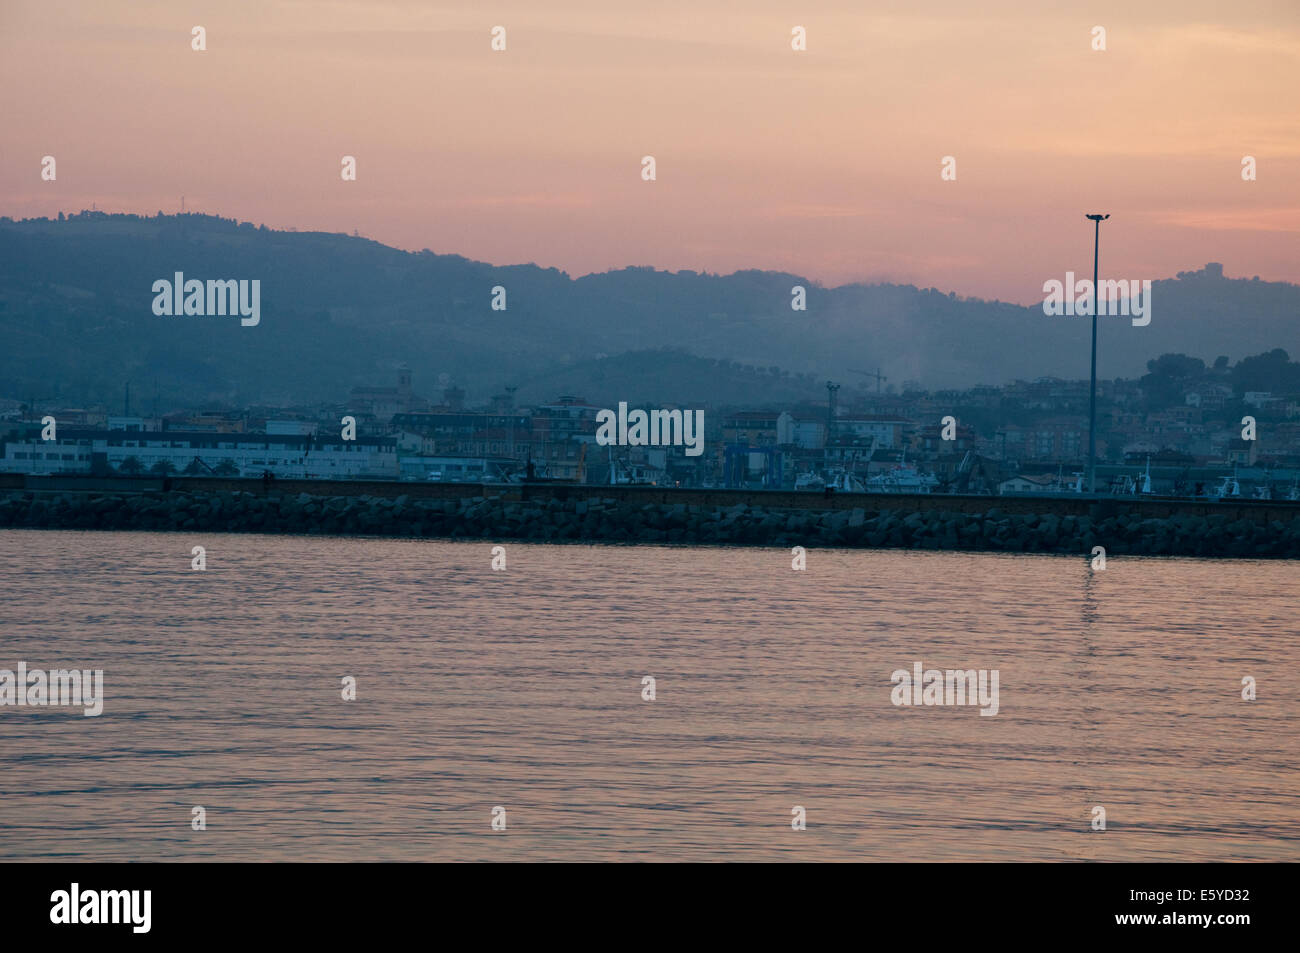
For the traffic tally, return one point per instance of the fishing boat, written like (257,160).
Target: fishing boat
(842,481)
(1125,485)
(1228,489)
(809,481)
(903,478)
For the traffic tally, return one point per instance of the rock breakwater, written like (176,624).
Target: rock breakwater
(1110,524)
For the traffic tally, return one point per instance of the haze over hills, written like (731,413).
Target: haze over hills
(76,323)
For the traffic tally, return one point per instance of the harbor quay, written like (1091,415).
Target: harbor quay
(1072,524)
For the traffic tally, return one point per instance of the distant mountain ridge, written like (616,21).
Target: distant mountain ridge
(340,311)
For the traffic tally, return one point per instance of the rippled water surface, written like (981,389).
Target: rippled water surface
(522,689)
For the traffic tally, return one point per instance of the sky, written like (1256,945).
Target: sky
(824,162)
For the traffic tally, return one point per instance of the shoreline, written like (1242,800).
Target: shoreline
(569,513)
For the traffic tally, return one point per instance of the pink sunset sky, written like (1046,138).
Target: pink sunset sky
(825,163)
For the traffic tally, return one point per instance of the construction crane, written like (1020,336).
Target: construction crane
(877,375)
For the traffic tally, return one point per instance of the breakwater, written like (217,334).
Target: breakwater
(557,513)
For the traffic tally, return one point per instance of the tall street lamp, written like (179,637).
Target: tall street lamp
(1092,391)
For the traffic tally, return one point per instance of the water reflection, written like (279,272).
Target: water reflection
(523,689)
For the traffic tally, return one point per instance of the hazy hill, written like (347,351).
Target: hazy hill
(76,323)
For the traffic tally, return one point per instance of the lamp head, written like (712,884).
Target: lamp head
(1098,218)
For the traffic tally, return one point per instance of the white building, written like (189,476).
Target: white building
(451,468)
(1026,484)
(249,454)
(886,431)
(1259,398)
(134,423)
(291,428)
(804,430)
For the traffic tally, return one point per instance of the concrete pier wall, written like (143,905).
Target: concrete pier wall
(563,512)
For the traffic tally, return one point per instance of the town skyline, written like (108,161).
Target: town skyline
(1198,422)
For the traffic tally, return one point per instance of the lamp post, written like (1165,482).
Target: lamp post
(1092,391)
(831,388)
